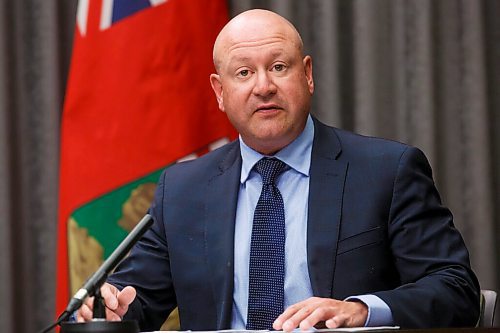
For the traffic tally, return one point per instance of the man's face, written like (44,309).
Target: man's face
(265,87)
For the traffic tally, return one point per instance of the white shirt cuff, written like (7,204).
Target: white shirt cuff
(379,313)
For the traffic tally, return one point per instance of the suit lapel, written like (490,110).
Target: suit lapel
(325,206)
(220,207)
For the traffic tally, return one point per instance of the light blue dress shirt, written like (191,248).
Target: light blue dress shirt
(293,184)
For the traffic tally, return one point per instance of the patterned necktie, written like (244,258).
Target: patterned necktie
(267,250)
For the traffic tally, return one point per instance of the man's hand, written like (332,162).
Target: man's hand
(329,312)
(116,301)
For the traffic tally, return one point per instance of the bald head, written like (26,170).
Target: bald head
(250,28)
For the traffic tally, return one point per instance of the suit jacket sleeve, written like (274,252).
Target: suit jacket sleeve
(438,287)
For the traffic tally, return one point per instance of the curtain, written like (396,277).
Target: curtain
(422,72)
(35,44)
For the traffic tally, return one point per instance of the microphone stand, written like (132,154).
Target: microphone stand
(99,309)
(92,288)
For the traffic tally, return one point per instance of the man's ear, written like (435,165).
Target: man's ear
(217,88)
(309,73)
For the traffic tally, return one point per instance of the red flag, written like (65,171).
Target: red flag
(138,99)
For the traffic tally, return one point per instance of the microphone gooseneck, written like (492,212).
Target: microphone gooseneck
(94,283)
(99,277)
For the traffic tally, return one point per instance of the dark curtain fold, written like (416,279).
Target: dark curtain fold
(35,43)
(419,71)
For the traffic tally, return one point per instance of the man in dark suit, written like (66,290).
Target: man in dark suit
(367,241)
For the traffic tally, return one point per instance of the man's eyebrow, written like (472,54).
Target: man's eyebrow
(277,52)
(239,59)
(243,58)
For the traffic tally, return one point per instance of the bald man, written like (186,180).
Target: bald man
(367,240)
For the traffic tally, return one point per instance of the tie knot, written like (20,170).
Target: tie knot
(269,169)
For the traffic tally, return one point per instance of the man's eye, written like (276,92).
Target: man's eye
(243,72)
(279,67)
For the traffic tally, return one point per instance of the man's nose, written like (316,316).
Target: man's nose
(264,84)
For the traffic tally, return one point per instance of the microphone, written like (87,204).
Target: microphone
(99,277)
(94,283)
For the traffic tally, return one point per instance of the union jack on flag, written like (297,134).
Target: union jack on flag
(111,11)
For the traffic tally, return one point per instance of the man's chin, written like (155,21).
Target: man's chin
(271,143)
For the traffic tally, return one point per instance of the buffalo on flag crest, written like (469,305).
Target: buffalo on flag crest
(138,99)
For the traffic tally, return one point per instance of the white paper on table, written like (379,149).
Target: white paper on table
(353,329)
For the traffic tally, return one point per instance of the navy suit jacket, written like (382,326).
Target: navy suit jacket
(375,225)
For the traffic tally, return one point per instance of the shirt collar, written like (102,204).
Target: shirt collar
(296,155)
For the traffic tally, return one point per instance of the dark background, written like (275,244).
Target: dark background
(419,71)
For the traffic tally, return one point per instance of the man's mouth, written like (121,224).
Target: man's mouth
(268,107)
